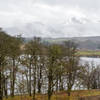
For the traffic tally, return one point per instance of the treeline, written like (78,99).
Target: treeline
(36,67)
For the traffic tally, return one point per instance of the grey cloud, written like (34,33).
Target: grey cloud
(56,30)
(91,4)
(50,18)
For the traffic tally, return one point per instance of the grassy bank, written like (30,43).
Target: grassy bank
(60,96)
(89,53)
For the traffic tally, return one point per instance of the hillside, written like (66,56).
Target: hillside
(87,43)
(91,43)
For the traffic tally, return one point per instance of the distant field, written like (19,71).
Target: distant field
(61,95)
(88,53)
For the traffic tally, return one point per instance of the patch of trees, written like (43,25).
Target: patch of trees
(9,53)
(36,67)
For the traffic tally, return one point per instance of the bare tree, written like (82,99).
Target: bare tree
(4,44)
(54,53)
(71,64)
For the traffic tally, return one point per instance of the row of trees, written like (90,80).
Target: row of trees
(36,67)
(9,51)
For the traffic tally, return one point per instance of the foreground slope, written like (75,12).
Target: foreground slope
(75,95)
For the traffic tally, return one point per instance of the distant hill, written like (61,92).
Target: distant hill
(92,43)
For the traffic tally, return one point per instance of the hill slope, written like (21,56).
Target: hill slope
(92,43)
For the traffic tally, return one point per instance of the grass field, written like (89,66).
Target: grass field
(60,96)
(88,53)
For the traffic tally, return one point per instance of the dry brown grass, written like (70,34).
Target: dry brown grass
(61,95)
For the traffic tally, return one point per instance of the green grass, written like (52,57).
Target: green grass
(60,96)
(88,53)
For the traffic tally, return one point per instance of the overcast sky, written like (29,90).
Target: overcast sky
(50,18)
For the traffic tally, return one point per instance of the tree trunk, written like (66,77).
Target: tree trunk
(49,92)
(60,84)
(13,79)
(27,81)
(1,94)
(49,96)
(57,84)
(4,86)
(0,85)
(34,84)
(30,94)
(39,79)
(50,81)
(69,94)
(6,92)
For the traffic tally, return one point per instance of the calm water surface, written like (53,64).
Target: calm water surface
(95,61)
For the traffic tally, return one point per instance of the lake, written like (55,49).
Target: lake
(95,61)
